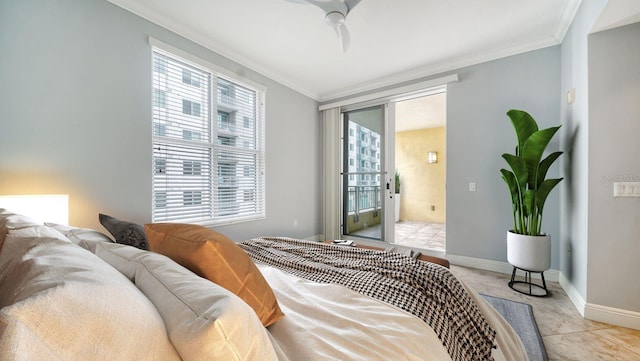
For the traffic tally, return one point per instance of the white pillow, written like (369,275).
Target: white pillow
(84,237)
(43,232)
(204,320)
(10,220)
(59,301)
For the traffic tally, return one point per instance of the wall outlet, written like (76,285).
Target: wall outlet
(626,189)
(472,187)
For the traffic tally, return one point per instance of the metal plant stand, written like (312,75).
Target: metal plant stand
(528,282)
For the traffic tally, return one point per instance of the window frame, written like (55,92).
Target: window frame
(258,209)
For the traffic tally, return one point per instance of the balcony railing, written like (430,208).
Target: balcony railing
(363,198)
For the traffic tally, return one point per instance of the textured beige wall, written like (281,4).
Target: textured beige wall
(423,184)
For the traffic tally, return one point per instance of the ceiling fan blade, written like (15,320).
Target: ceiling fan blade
(330,5)
(335,14)
(345,38)
(351,3)
(326,6)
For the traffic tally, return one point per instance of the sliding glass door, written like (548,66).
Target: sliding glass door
(366,183)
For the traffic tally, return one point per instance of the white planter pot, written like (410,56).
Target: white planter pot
(397,214)
(531,253)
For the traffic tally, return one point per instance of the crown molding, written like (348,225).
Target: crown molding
(561,27)
(434,69)
(193,35)
(568,13)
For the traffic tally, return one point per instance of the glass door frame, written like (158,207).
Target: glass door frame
(386,173)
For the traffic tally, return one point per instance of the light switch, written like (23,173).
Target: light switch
(626,189)
(472,187)
(571,96)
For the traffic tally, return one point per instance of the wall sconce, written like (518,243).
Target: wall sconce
(433,157)
(52,208)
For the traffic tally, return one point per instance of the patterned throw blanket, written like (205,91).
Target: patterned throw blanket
(427,290)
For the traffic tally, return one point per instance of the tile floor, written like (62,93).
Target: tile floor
(566,335)
(412,234)
(421,235)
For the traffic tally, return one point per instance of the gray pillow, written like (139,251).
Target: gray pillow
(124,232)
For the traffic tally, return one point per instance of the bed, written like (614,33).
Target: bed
(178,291)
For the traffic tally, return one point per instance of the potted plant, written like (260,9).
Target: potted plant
(528,247)
(397,196)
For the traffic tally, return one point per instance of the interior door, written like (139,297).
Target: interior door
(366,182)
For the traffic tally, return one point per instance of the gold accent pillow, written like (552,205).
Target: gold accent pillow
(215,257)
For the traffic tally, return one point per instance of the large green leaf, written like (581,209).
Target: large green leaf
(519,169)
(529,202)
(545,165)
(543,191)
(510,179)
(512,183)
(533,149)
(524,126)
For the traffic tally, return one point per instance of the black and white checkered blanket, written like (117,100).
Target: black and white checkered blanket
(424,289)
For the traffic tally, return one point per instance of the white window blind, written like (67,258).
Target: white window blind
(208,145)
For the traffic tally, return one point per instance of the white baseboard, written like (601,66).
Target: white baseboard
(595,312)
(496,266)
(614,316)
(573,294)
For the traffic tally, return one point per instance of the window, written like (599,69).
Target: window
(192,198)
(206,169)
(191,78)
(191,135)
(160,64)
(159,98)
(226,140)
(224,121)
(159,129)
(247,122)
(160,165)
(160,199)
(190,167)
(249,195)
(191,108)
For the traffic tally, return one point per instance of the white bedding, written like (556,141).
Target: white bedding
(60,302)
(331,322)
(48,283)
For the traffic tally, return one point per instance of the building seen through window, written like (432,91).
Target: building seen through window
(207,145)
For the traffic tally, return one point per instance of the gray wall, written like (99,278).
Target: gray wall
(614,151)
(75,117)
(479,131)
(575,140)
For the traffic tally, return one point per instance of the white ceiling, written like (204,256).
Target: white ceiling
(391,40)
(419,113)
